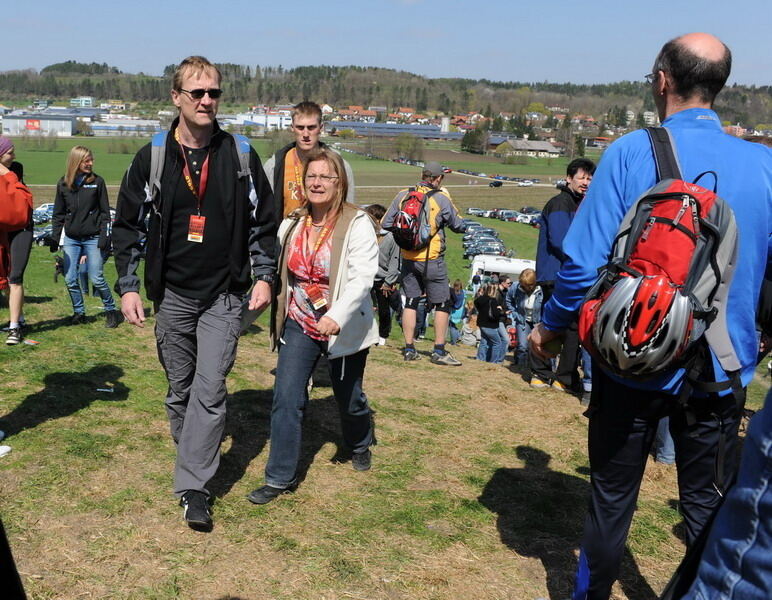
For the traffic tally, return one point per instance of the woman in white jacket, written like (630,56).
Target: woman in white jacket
(327,263)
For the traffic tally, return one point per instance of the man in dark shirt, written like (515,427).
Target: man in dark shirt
(210,221)
(556,218)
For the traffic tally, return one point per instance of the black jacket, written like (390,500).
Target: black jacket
(556,218)
(247,202)
(83,212)
(488,312)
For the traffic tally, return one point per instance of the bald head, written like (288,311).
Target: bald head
(698,64)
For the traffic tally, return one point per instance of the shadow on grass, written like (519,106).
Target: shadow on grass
(541,514)
(249,425)
(65,393)
(37,299)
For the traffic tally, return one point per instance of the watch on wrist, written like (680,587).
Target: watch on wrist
(267,278)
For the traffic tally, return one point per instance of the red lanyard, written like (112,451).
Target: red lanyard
(199,193)
(309,259)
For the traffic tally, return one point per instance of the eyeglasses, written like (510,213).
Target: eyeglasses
(198,93)
(651,77)
(323,178)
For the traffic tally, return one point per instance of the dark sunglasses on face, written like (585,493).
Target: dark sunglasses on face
(198,93)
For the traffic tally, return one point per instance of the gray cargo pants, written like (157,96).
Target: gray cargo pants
(196,342)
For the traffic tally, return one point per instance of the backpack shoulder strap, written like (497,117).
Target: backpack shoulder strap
(157,157)
(243,147)
(665,155)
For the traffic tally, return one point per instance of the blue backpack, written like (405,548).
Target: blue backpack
(158,155)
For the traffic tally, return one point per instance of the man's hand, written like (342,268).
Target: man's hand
(386,289)
(132,309)
(326,326)
(261,296)
(539,337)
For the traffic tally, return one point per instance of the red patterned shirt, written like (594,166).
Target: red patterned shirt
(299,263)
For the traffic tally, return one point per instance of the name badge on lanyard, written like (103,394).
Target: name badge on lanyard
(197,222)
(313,291)
(196,228)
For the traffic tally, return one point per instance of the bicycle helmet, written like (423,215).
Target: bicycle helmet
(642,326)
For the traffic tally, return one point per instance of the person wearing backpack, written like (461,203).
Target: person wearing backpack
(417,217)
(212,229)
(702,404)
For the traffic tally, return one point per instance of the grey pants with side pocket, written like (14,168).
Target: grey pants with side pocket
(196,342)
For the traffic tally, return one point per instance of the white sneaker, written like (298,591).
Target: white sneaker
(4,450)
(381,341)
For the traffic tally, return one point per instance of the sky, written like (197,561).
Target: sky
(595,41)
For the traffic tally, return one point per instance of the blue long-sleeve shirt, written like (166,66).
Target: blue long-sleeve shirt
(627,170)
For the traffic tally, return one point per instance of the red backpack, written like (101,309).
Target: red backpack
(665,287)
(411,228)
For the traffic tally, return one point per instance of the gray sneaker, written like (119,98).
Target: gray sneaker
(411,354)
(15,336)
(445,359)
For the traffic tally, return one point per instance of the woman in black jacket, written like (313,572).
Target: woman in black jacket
(489,312)
(82,210)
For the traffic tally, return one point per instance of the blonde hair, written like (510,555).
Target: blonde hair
(527,277)
(197,64)
(336,162)
(77,155)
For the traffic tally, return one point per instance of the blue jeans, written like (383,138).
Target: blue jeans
(521,351)
(664,448)
(73,250)
(587,370)
(490,344)
(298,355)
(737,561)
(453,333)
(503,344)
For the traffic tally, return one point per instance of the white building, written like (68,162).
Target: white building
(38,124)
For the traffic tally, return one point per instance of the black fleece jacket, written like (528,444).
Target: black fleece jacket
(247,202)
(83,212)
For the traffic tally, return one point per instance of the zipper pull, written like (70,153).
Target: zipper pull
(685,201)
(647,228)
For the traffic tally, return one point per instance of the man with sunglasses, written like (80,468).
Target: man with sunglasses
(284,169)
(212,226)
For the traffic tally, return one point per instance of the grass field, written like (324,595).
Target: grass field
(478,487)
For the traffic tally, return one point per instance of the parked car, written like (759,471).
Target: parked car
(525,183)
(474,211)
(505,214)
(528,219)
(529,210)
(42,236)
(495,184)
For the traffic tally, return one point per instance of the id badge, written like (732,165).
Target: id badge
(196,229)
(316,296)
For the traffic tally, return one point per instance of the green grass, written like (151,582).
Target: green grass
(478,487)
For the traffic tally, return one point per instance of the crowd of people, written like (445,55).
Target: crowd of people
(224,237)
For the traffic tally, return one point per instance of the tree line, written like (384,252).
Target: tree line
(368,86)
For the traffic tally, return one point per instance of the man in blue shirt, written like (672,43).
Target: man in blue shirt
(687,75)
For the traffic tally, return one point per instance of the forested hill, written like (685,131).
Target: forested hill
(368,86)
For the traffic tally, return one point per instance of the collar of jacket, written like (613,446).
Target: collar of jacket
(564,188)
(215,141)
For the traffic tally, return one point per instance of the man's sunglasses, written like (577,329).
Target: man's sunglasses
(197,94)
